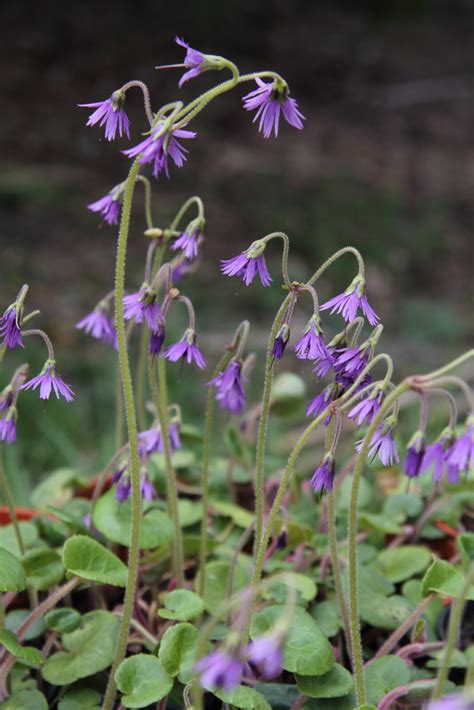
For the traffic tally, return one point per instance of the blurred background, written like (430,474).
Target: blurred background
(385,163)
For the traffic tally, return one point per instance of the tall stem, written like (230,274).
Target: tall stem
(160,395)
(10,504)
(263,424)
(336,569)
(333,258)
(129,403)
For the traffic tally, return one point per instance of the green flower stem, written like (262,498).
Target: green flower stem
(184,208)
(455,620)
(336,569)
(263,424)
(148,214)
(333,258)
(118,409)
(2,613)
(284,256)
(134,548)
(356,655)
(141,376)
(10,504)
(161,403)
(458,382)
(421,379)
(208,421)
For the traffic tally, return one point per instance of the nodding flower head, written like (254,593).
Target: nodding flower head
(368,407)
(461,454)
(229,385)
(10,329)
(194,61)
(319,403)
(456,701)
(436,456)
(266,655)
(99,326)
(8,426)
(161,145)
(186,349)
(110,205)
(383,444)
(141,306)
(349,302)
(188,242)
(280,342)
(415,452)
(271,99)
(151,440)
(248,264)
(220,669)
(323,478)
(311,345)
(111,114)
(349,362)
(49,380)
(147,489)
(157,338)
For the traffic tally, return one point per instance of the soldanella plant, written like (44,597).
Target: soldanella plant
(207,566)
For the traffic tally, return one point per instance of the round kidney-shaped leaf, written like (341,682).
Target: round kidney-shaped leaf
(12,576)
(242,697)
(43,568)
(88,559)
(26,700)
(63,620)
(217,574)
(443,578)
(334,684)
(182,605)
(27,654)
(404,562)
(178,650)
(383,675)
(142,680)
(80,698)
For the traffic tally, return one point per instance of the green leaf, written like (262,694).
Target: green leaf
(190,512)
(12,576)
(216,580)
(8,539)
(288,393)
(279,591)
(88,559)
(381,523)
(327,616)
(56,489)
(242,697)
(465,542)
(385,612)
(142,680)
(366,494)
(113,519)
(334,684)
(178,648)
(27,654)
(306,651)
(26,700)
(384,675)
(74,524)
(43,568)
(88,650)
(16,617)
(241,517)
(62,620)
(404,562)
(80,698)
(401,506)
(279,696)
(443,578)
(182,605)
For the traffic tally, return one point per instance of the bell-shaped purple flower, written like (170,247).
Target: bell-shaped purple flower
(220,669)
(280,342)
(143,306)
(266,654)
(109,207)
(248,264)
(323,478)
(8,426)
(147,489)
(367,408)
(186,349)
(49,380)
(311,345)
(271,99)
(10,329)
(349,362)
(151,440)
(230,392)
(99,326)
(323,399)
(124,489)
(460,457)
(436,456)
(194,61)
(159,147)
(157,338)
(382,445)
(349,302)
(453,702)
(111,114)
(188,241)
(414,456)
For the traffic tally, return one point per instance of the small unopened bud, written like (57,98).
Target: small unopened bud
(153,233)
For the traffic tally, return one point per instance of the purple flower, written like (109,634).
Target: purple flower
(324,363)
(367,408)
(270,99)
(147,489)
(382,445)
(188,242)
(111,113)
(6,398)
(266,654)
(9,329)
(157,338)
(414,456)
(280,342)
(248,264)
(319,403)
(311,345)
(8,427)
(229,388)
(48,380)
(108,206)
(219,669)
(124,489)
(151,441)
(435,455)
(350,362)
(348,303)
(323,477)
(98,324)
(142,306)
(452,702)
(186,349)
(194,61)
(159,146)
(461,454)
